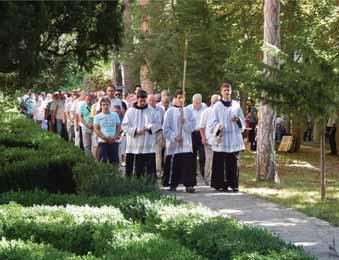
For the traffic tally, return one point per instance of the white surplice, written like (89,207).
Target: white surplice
(171,129)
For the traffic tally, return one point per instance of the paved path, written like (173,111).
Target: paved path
(315,235)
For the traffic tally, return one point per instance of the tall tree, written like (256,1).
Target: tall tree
(266,163)
(127,63)
(33,35)
(145,67)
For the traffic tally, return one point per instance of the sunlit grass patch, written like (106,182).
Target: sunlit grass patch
(300,183)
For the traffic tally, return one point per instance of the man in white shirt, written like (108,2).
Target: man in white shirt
(151,100)
(227,123)
(197,107)
(207,137)
(69,117)
(110,94)
(177,128)
(165,100)
(140,123)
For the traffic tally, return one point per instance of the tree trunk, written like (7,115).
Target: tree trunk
(128,75)
(322,163)
(145,81)
(266,164)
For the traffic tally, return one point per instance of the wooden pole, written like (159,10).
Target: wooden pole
(322,163)
(185,64)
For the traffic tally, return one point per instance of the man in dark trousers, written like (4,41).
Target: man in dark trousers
(227,124)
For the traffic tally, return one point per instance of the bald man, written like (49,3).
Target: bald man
(197,107)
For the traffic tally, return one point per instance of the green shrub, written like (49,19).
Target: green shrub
(192,229)
(100,179)
(138,245)
(35,159)
(78,229)
(134,206)
(220,238)
(25,250)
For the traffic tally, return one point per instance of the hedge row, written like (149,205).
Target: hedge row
(35,159)
(26,250)
(198,230)
(83,230)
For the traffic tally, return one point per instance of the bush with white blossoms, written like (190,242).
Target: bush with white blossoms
(71,213)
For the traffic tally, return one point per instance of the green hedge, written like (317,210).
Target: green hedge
(26,250)
(35,159)
(197,229)
(83,230)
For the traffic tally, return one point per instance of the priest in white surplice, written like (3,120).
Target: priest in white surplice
(227,124)
(177,128)
(140,124)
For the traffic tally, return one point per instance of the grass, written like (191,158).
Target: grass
(300,183)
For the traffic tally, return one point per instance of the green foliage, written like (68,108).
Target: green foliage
(25,250)
(225,43)
(35,159)
(79,229)
(157,227)
(34,34)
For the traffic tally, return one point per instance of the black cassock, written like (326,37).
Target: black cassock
(225,170)
(141,165)
(179,170)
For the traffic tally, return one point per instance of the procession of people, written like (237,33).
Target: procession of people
(151,135)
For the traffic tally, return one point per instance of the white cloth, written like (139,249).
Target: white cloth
(171,130)
(73,110)
(68,108)
(137,119)
(39,113)
(197,114)
(206,115)
(160,113)
(232,140)
(163,107)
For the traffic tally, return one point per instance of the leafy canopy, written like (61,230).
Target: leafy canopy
(37,34)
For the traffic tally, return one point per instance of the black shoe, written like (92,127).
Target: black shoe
(173,189)
(225,189)
(235,190)
(190,189)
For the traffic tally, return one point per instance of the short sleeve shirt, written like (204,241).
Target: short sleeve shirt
(107,123)
(85,111)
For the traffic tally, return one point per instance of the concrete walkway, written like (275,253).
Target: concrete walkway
(317,237)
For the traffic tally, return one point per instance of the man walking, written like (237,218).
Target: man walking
(207,137)
(197,108)
(177,128)
(140,124)
(227,123)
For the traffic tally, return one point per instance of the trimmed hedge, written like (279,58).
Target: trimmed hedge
(26,250)
(83,230)
(31,158)
(78,229)
(197,229)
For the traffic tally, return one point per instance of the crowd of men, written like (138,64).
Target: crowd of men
(151,134)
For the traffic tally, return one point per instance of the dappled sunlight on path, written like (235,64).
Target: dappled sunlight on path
(315,235)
